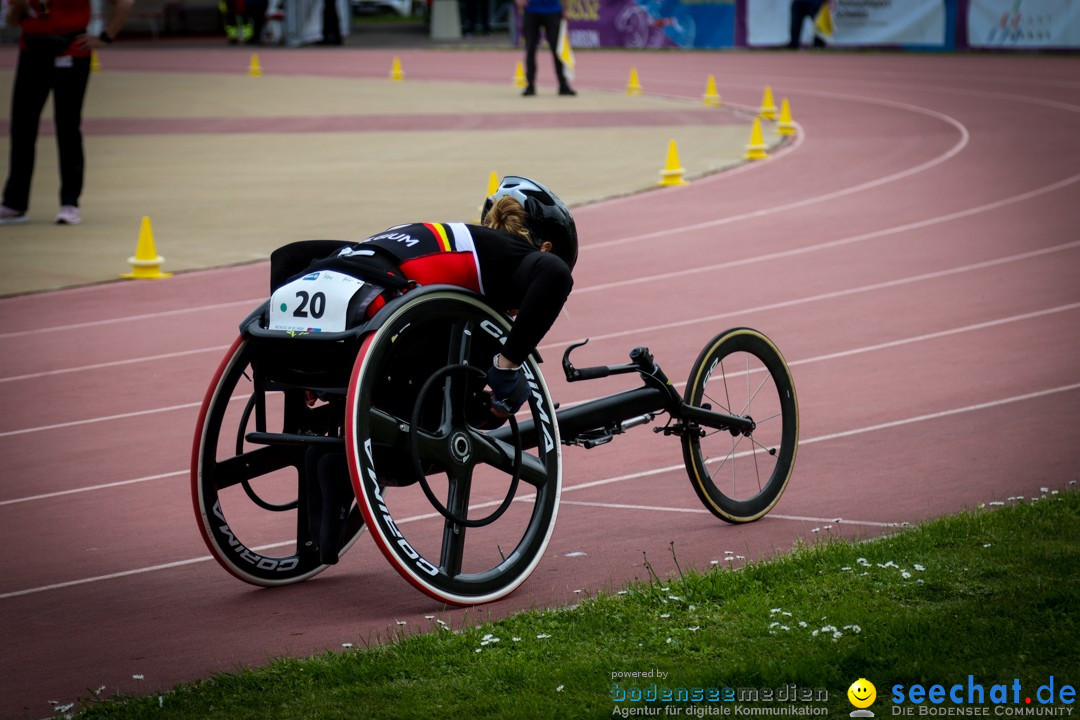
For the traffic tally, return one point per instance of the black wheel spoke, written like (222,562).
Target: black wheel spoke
(453,541)
(255,464)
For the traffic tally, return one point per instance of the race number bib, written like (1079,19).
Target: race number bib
(317,302)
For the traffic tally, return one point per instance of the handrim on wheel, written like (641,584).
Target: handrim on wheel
(466,465)
(740,476)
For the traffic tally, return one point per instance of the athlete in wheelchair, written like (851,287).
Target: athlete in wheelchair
(394,384)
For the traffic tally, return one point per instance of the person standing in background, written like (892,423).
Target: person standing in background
(54,55)
(800,10)
(545,14)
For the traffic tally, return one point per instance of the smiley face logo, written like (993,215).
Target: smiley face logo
(862,693)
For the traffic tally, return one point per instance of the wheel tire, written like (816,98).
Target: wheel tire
(752,379)
(436,329)
(244,536)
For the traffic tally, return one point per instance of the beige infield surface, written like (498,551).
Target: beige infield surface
(220,198)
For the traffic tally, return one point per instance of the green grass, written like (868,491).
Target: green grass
(988,593)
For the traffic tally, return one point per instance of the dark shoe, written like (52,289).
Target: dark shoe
(530,90)
(567,90)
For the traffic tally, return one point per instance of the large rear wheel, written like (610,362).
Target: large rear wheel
(251,498)
(472,508)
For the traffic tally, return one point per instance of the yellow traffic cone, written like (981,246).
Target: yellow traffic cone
(786,126)
(254,68)
(146,265)
(711,98)
(767,111)
(672,174)
(396,73)
(95,63)
(634,86)
(492,188)
(756,149)
(519,75)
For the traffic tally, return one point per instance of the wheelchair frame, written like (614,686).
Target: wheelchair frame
(363,373)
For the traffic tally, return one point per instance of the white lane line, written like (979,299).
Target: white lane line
(937,274)
(104,418)
(114,363)
(667,326)
(965,139)
(781,208)
(252,304)
(794,363)
(221,348)
(605,481)
(89,488)
(703,511)
(829,244)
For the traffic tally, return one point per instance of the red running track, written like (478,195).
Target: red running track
(914,253)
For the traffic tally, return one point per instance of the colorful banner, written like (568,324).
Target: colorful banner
(1023,24)
(651,23)
(855,23)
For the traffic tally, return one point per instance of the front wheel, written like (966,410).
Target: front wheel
(739,477)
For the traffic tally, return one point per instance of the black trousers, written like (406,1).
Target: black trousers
(36,75)
(532,22)
(800,10)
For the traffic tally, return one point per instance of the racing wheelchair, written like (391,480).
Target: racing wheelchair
(461,504)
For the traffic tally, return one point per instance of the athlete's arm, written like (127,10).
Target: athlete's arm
(547,283)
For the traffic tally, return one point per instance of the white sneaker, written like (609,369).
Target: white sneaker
(11,217)
(68,215)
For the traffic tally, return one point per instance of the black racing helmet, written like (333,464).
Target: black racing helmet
(546,216)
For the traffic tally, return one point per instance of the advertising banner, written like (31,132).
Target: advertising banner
(888,22)
(651,23)
(856,23)
(1023,24)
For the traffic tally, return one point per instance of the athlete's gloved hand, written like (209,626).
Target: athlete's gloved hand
(509,390)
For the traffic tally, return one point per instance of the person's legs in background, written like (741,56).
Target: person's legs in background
(530,30)
(69,91)
(33,80)
(551,31)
